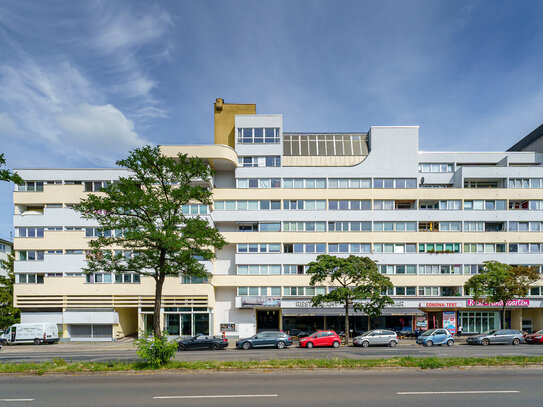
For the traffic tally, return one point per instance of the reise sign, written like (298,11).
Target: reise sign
(510,303)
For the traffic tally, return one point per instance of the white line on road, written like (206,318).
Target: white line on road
(217,396)
(16,399)
(458,392)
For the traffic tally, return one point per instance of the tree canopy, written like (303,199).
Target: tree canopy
(6,174)
(142,225)
(499,282)
(356,283)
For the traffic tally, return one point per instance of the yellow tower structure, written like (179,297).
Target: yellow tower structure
(225,116)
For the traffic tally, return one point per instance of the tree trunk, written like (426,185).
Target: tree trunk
(159,283)
(347,333)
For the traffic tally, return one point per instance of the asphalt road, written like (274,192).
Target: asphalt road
(31,353)
(420,388)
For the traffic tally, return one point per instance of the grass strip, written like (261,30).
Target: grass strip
(58,365)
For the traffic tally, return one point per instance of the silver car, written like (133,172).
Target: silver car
(497,336)
(376,337)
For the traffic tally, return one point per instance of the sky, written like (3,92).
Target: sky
(82,82)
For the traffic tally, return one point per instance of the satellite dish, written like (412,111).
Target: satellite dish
(421,181)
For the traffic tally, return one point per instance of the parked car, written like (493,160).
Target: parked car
(497,336)
(439,336)
(202,342)
(275,339)
(376,337)
(299,333)
(536,337)
(321,338)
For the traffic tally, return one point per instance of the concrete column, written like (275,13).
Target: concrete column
(324,322)
(516,319)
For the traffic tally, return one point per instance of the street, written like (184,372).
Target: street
(112,351)
(496,387)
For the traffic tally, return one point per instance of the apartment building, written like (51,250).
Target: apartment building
(5,249)
(430,220)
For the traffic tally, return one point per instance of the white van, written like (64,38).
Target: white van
(37,333)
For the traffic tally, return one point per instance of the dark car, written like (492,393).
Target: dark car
(274,339)
(497,336)
(300,333)
(202,342)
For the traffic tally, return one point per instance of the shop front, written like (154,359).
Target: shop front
(181,321)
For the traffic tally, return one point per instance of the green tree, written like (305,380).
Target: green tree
(499,282)
(356,281)
(8,314)
(7,175)
(142,213)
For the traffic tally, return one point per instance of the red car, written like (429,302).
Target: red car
(536,337)
(321,338)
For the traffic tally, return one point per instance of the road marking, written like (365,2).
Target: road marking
(217,396)
(458,392)
(16,399)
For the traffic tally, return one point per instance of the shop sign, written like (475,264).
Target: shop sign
(441,304)
(307,304)
(449,321)
(262,301)
(422,322)
(510,303)
(228,328)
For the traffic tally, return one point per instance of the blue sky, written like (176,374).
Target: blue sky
(82,82)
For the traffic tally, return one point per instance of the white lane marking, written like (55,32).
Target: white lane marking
(16,399)
(458,392)
(217,396)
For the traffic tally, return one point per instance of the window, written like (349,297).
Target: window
(263,161)
(303,291)
(439,247)
(194,209)
(525,247)
(258,183)
(308,183)
(474,226)
(94,186)
(246,205)
(398,269)
(294,269)
(436,167)
(127,278)
(484,248)
(394,248)
(258,135)
(450,226)
(349,183)
(349,248)
(482,205)
(29,232)
(526,183)
(525,226)
(30,186)
(259,248)
(304,248)
(395,226)
(28,278)
(30,255)
(395,183)
(429,291)
(473,268)
(349,226)
(308,205)
(259,291)
(304,226)
(357,205)
(324,144)
(268,269)
(401,291)
(193,280)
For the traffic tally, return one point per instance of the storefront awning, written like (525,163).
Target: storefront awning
(334,312)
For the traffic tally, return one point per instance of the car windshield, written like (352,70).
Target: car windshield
(367,333)
(313,335)
(428,332)
(539,332)
(490,332)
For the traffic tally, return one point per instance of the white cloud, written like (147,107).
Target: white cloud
(102,130)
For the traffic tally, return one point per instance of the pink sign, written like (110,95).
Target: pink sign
(510,303)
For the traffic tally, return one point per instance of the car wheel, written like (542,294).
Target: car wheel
(392,344)
(37,341)
(4,342)
(429,344)
(335,344)
(182,347)
(280,345)
(309,345)
(215,346)
(516,341)
(485,342)
(450,342)
(365,344)
(246,346)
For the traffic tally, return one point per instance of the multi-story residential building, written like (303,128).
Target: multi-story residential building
(430,220)
(5,249)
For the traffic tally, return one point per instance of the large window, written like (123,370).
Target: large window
(439,248)
(324,144)
(484,205)
(246,205)
(526,183)
(30,186)
(29,232)
(258,183)
(436,167)
(258,135)
(476,322)
(304,226)
(304,248)
(349,183)
(394,226)
(259,248)
(398,269)
(307,183)
(484,248)
(187,321)
(394,248)
(357,205)
(260,161)
(308,205)
(349,248)
(349,226)
(256,269)
(395,183)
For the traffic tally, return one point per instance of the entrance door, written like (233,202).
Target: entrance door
(267,320)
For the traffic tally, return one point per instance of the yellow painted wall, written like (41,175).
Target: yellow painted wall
(128,322)
(225,115)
